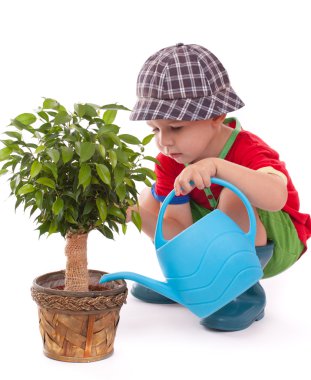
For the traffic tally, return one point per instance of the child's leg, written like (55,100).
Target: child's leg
(232,206)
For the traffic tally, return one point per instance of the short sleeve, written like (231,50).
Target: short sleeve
(254,153)
(166,173)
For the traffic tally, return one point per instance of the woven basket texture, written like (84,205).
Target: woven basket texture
(77,326)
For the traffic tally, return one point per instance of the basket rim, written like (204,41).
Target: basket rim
(38,285)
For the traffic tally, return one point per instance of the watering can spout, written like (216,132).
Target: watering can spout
(155,285)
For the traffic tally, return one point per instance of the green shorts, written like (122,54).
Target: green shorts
(287,245)
(280,229)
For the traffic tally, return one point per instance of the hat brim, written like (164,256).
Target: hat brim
(222,102)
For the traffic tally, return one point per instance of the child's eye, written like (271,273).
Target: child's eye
(177,128)
(155,130)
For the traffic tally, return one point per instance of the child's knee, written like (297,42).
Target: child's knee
(231,205)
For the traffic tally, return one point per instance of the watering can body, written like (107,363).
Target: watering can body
(208,264)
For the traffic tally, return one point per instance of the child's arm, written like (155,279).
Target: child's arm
(176,217)
(264,190)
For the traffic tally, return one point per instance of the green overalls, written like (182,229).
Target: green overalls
(279,226)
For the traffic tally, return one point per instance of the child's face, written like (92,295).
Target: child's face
(186,141)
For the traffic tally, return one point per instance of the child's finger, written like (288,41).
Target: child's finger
(178,188)
(197,181)
(182,186)
(207,182)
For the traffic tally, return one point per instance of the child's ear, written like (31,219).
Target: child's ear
(220,118)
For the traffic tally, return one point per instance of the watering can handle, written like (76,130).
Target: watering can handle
(251,234)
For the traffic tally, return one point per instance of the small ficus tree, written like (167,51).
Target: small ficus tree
(76,173)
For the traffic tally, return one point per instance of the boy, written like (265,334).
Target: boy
(184,94)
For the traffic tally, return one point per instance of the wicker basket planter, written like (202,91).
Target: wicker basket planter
(78,326)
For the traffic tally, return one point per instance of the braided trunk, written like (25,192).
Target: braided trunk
(76,277)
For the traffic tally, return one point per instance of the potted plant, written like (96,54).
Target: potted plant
(76,173)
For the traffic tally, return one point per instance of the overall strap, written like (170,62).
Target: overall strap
(231,138)
(211,199)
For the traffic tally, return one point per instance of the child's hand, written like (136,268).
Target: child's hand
(199,174)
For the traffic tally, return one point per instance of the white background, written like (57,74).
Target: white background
(91,51)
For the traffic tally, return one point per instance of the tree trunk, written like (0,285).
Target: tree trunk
(76,277)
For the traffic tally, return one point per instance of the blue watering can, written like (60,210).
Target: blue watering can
(208,264)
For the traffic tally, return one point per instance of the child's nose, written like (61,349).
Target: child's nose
(165,139)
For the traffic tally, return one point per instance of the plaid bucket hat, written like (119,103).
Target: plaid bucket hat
(183,82)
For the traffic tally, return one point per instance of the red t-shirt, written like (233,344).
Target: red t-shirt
(247,150)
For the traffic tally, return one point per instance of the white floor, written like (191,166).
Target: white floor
(153,341)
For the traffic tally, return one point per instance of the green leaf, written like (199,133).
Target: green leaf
(147,182)
(67,154)
(28,188)
(119,174)
(101,149)
(44,228)
(58,206)
(108,128)
(53,154)
(53,227)
(3,171)
(122,156)
(121,191)
(16,135)
(115,211)
(62,108)
(102,208)
(115,138)
(16,149)
(51,167)
(114,107)
(148,172)
(5,153)
(26,160)
(87,150)
(147,139)
(40,149)
(109,116)
(105,231)
(150,158)
(87,208)
(85,175)
(9,142)
(113,158)
(129,139)
(124,228)
(39,199)
(136,219)
(129,182)
(46,182)
(95,181)
(45,128)
(70,218)
(18,202)
(50,104)
(78,147)
(80,109)
(22,126)
(35,169)
(43,115)
(62,118)
(90,111)
(82,132)
(38,136)
(26,118)
(103,173)
(30,145)
(138,177)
